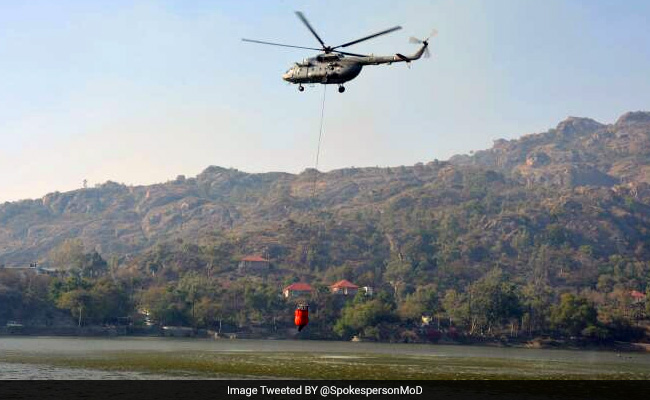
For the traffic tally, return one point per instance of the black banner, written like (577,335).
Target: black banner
(311,389)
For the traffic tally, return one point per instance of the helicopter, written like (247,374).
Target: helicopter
(334,66)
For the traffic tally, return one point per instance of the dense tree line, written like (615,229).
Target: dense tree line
(199,286)
(474,253)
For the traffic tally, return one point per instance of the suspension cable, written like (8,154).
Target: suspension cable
(320,139)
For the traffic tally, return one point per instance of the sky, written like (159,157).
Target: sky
(139,92)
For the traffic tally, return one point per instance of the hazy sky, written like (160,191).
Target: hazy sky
(141,91)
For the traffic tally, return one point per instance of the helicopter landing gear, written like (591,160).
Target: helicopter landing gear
(341,88)
(301,88)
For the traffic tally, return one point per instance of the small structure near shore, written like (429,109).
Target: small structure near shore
(344,287)
(177,331)
(297,289)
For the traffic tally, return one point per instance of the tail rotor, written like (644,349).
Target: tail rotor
(415,40)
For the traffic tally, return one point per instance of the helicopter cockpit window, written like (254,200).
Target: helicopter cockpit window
(328,57)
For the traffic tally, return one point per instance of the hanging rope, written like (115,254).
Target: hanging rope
(313,188)
(320,139)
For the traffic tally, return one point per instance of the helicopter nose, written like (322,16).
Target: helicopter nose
(287,76)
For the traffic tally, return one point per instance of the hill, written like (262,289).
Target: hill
(595,175)
(546,234)
(578,152)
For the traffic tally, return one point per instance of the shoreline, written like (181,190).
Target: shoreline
(534,343)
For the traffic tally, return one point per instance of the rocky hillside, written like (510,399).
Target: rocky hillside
(584,182)
(578,152)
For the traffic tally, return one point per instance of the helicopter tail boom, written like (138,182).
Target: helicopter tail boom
(376,60)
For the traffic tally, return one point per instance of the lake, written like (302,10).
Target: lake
(170,358)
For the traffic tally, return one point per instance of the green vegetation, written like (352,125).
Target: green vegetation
(197,286)
(546,236)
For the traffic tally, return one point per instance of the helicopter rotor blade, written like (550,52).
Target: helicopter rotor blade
(415,40)
(279,44)
(393,29)
(350,54)
(308,25)
(427,53)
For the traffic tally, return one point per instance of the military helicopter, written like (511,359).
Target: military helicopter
(334,66)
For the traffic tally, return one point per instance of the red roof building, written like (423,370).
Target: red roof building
(297,289)
(637,296)
(344,287)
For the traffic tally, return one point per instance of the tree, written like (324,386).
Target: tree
(163,306)
(207,312)
(108,301)
(573,314)
(11,300)
(536,301)
(191,288)
(360,315)
(521,242)
(494,300)
(456,307)
(398,272)
(556,234)
(93,265)
(77,301)
(423,300)
(68,255)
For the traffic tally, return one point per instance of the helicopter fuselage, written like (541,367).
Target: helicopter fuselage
(337,68)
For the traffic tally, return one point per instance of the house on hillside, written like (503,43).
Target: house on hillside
(344,287)
(637,297)
(297,289)
(368,290)
(254,264)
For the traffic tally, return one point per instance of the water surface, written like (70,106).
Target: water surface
(169,358)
